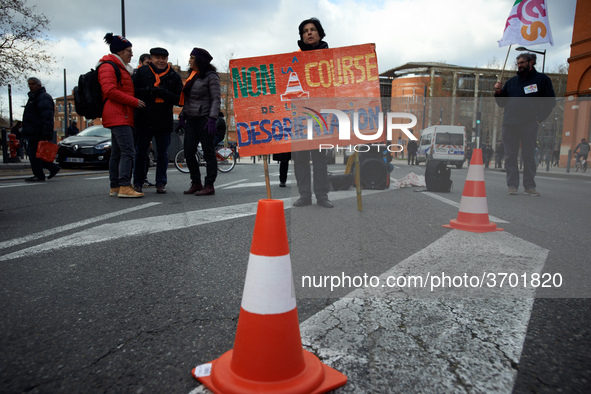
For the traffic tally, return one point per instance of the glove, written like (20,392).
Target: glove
(210,127)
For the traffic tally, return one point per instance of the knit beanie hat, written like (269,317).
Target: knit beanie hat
(116,43)
(202,54)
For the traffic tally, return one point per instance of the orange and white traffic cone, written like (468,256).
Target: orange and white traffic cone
(294,89)
(473,214)
(268,356)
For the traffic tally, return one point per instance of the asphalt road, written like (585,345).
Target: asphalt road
(101,294)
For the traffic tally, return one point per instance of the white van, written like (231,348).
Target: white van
(443,143)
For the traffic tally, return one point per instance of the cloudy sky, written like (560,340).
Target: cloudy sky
(460,32)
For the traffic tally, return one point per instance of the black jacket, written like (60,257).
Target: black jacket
(156,116)
(38,116)
(527,99)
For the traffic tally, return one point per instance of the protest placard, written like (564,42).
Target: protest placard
(296,101)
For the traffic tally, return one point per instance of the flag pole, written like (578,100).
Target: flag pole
(504,65)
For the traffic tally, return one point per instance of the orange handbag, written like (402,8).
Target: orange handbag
(46,151)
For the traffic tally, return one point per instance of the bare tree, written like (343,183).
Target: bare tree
(22,41)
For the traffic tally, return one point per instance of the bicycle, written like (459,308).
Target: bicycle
(225,156)
(581,163)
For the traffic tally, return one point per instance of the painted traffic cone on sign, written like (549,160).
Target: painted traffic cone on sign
(268,356)
(473,214)
(294,89)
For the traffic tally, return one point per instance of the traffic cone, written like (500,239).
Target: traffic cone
(294,89)
(268,356)
(473,214)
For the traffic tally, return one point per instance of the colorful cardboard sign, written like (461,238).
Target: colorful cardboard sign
(279,99)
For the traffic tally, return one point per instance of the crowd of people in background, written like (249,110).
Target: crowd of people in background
(138,109)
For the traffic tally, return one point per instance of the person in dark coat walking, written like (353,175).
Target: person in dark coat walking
(38,126)
(412,147)
(159,86)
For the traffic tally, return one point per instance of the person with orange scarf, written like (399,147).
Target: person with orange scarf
(201,99)
(159,86)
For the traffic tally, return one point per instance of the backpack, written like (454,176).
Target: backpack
(88,96)
(437,176)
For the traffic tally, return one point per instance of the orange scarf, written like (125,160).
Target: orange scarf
(191,76)
(157,83)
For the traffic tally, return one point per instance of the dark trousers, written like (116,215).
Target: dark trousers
(37,165)
(303,177)
(194,134)
(283,169)
(513,135)
(144,137)
(122,155)
(412,158)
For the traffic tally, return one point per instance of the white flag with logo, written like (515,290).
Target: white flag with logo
(527,24)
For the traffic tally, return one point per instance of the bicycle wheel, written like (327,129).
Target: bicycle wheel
(180,163)
(584,167)
(226,159)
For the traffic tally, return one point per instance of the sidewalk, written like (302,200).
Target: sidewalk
(12,171)
(541,171)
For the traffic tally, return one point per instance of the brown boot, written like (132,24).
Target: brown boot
(128,192)
(195,187)
(208,190)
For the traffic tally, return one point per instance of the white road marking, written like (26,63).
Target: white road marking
(53,231)
(151,225)
(453,341)
(457,205)
(21,184)
(97,177)
(225,185)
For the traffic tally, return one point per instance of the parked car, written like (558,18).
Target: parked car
(91,146)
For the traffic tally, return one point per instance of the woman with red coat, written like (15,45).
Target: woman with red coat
(120,103)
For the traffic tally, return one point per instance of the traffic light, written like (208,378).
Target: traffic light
(478,116)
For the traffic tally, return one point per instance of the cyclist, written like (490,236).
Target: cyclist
(584,150)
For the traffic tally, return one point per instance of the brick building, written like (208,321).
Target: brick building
(577,111)
(439,93)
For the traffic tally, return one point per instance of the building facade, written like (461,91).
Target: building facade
(439,93)
(577,111)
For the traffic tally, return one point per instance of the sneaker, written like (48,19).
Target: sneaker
(137,188)
(282,184)
(532,192)
(128,192)
(512,191)
(160,189)
(53,173)
(114,192)
(148,184)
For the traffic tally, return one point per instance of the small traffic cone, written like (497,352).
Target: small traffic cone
(473,214)
(268,356)
(294,89)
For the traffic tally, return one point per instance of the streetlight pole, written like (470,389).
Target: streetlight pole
(123,18)
(521,49)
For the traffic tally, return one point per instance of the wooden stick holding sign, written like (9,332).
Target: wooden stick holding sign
(358,183)
(267,181)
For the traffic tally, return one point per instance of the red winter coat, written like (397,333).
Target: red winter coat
(118,109)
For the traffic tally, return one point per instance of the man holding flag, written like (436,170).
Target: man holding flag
(528,98)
